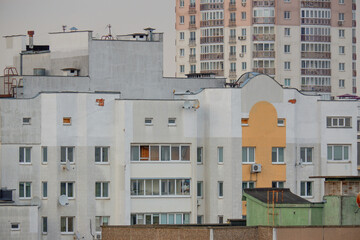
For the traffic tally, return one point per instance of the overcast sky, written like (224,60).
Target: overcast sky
(125,16)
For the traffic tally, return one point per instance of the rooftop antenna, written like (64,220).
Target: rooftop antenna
(64,28)
(109,36)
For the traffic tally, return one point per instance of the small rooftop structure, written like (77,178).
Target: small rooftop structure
(200,75)
(284,195)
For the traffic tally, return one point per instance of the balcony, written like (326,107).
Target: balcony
(232,56)
(354,56)
(232,6)
(354,40)
(232,23)
(315,4)
(232,39)
(192,58)
(316,55)
(264,37)
(314,88)
(211,6)
(192,8)
(192,25)
(315,38)
(354,73)
(354,6)
(354,23)
(354,90)
(211,23)
(217,39)
(263,20)
(216,72)
(325,72)
(263,3)
(232,73)
(192,42)
(264,54)
(268,71)
(212,56)
(315,21)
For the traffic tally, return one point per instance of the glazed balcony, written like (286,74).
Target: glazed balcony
(315,38)
(192,8)
(212,23)
(192,58)
(264,37)
(232,56)
(211,6)
(264,20)
(192,42)
(232,23)
(315,21)
(232,39)
(263,3)
(264,54)
(212,56)
(315,4)
(316,55)
(314,88)
(232,6)
(217,39)
(316,72)
(216,72)
(268,71)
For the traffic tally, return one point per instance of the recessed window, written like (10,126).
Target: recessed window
(287,48)
(220,151)
(15,226)
(338,152)
(182,52)
(277,155)
(306,154)
(244,122)
(200,219)
(341,1)
(287,82)
(160,187)
(67,154)
(67,225)
(341,16)
(181,3)
(341,33)
(148,121)
(277,184)
(172,121)
(44,225)
(287,66)
(102,189)
(341,49)
(24,190)
(44,158)
(199,189)
(66,120)
(220,219)
(248,154)
(101,154)
(281,122)
(25,155)
(220,189)
(199,158)
(44,189)
(306,189)
(182,35)
(182,68)
(182,19)
(248,185)
(341,83)
(243,15)
(338,122)
(287,15)
(171,152)
(67,189)
(26,121)
(287,31)
(101,221)
(341,66)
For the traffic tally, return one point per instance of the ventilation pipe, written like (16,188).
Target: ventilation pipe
(150,33)
(31,39)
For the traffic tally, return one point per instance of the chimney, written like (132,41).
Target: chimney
(150,33)
(31,39)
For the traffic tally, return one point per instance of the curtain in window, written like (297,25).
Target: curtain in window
(154,152)
(165,153)
(144,153)
(185,153)
(134,153)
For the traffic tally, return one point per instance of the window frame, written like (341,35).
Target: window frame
(277,155)
(181,19)
(100,220)
(148,121)
(168,187)
(26,121)
(331,155)
(12,228)
(44,190)
(220,155)
(102,185)
(101,156)
(24,152)
(44,225)
(200,189)
(67,224)
(171,121)
(306,189)
(44,155)
(287,15)
(67,189)
(306,153)
(247,149)
(220,189)
(277,184)
(24,194)
(72,161)
(148,157)
(199,155)
(330,121)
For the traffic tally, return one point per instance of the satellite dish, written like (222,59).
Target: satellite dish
(36,201)
(67,164)
(63,200)
(187,105)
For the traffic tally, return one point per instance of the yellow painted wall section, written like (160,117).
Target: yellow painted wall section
(263,133)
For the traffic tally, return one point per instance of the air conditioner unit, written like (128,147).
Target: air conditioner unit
(98,236)
(242,37)
(255,168)
(241,55)
(340,23)
(243,4)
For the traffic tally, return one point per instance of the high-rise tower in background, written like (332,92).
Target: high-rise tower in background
(309,45)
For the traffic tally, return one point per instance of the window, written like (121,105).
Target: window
(287,31)
(44,155)
(160,218)
(286,48)
(67,189)
(24,190)
(246,185)
(232,17)
(200,189)
(287,82)
(338,122)
(101,154)
(199,158)
(44,190)
(243,65)
(181,3)
(26,121)
(101,221)
(182,68)
(169,152)
(277,184)
(66,120)
(287,65)
(243,32)
(232,67)
(341,66)
(248,154)
(15,226)
(25,155)
(102,189)
(243,48)
(172,121)
(306,189)
(160,187)
(277,155)
(341,16)
(182,52)
(192,68)
(44,225)
(306,154)
(286,14)
(341,1)
(182,19)
(243,16)
(341,33)
(220,219)
(220,154)
(341,83)
(220,189)
(67,225)
(281,122)
(199,219)
(232,32)
(245,122)
(286,0)
(341,49)
(182,35)
(338,152)
(148,121)
(192,19)
(232,50)
(67,154)
(193,36)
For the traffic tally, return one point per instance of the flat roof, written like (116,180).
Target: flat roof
(284,195)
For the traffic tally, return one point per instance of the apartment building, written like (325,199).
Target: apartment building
(309,45)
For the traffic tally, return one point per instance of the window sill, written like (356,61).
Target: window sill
(307,197)
(102,163)
(149,124)
(278,163)
(307,163)
(29,198)
(160,196)
(220,163)
(248,163)
(221,197)
(21,163)
(44,163)
(171,125)
(339,127)
(64,163)
(67,233)
(199,163)
(102,198)
(338,161)
(161,162)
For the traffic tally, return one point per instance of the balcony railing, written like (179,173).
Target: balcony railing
(232,56)
(316,55)
(192,58)
(325,72)
(216,72)
(232,73)
(315,38)
(315,21)
(263,3)
(354,23)
(354,40)
(263,20)
(264,37)
(354,6)
(232,6)
(314,88)
(212,56)
(211,23)
(192,8)
(268,71)
(354,56)
(315,4)
(232,39)
(211,6)
(192,25)
(354,73)
(232,22)
(264,54)
(192,42)
(216,39)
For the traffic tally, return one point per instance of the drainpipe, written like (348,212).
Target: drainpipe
(21,64)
